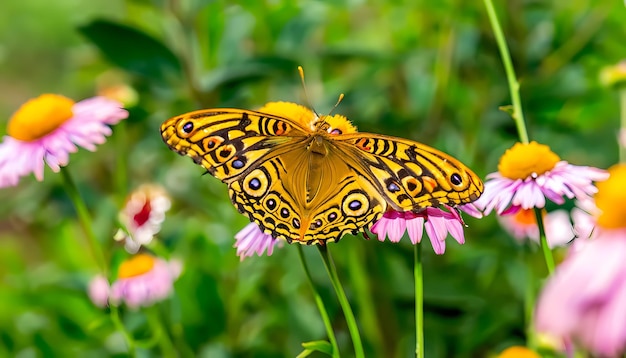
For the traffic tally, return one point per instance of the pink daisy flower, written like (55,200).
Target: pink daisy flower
(438,224)
(583,302)
(141,281)
(530,173)
(584,299)
(251,240)
(522,225)
(50,127)
(142,216)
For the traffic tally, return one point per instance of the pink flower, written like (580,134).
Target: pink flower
(530,173)
(98,291)
(438,224)
(583,302)
(142,216)
(584,299)
(251,240)
(49,128)
(522,225)
(143,280)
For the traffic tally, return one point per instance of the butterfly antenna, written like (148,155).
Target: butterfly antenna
(336,104)
(306,94)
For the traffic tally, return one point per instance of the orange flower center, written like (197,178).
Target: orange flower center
(518,352)
(39,117)
(527,160)
(135,266)
(526,217)
(611,199)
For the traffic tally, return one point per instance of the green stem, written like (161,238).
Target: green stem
(117,322)
(156,326)
(343,301)
(622,146)
(518,115)
(85,219)
(529,302)
(419,301)
(121,167)
(320,304)
(547,253)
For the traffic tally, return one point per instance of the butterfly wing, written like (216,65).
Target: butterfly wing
(302,184)
(229,142)
(410,175)
(306,197)
(277,174)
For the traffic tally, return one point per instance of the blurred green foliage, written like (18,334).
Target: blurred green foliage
(428,71)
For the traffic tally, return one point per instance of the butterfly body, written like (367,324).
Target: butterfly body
(310,179)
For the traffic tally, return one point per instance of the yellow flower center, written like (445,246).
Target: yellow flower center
(293,111)
(611,199)
(135,266)
(527,160)
(304,116)
(339,124)
(518,352)
(39,117)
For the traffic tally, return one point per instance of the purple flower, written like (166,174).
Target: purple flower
(530,173)
(48,128)
(142,216)
(438,224)
(251,240)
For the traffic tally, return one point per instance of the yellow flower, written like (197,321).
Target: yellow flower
(338,124)
(518,352)
(611,199)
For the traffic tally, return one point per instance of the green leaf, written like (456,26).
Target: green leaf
(508,109)
(133,50)
(319,346)
(250,70)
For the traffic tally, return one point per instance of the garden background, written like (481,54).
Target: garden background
(426,71)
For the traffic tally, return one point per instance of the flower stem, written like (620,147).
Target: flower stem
(622,132)
(343,301)
(320,304)
(547,253)
(85,219)
(419,301)
(121,167)
(518,115)
(117,322)
(156,326)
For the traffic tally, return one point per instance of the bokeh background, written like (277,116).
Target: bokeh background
(429,71)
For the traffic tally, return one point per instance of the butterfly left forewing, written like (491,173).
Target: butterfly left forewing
(411,175)
(228,142)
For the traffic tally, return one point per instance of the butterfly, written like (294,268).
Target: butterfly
(312,179)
